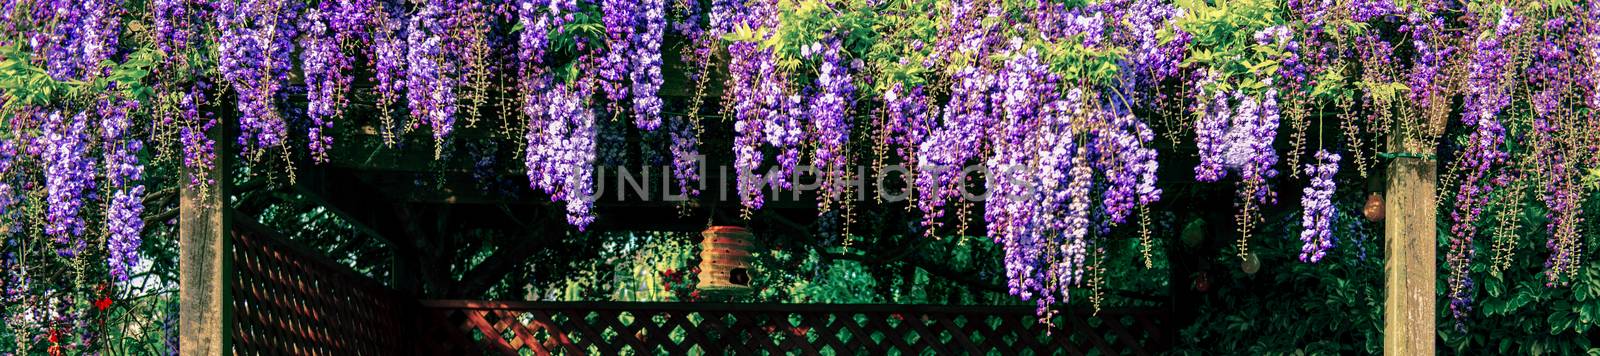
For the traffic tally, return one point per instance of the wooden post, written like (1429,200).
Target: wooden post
(203,262)
(1410,242)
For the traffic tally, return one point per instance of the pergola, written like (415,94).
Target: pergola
(248,290)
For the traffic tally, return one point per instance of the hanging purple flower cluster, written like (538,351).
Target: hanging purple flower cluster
(430,89)
(1259,134)
(69,179)
(538,19)
(85,35)
(1562,197)
(326,69)
(1313,12)
(646,71)
(1037,169)
(1366,10)
(388,69)
(685,154)
(1427,38)
(1552,74)
(1317,219)
(1011,209)
(174,24)
(1240,141)
(958,139)
(744,69)
(351,20)
(1486,96)
(764,111)
(124,222)
(829,116)
(8,193)
(908,120)
(1149,60)
(561,151)
(1590,49)
(1122,152)
(254,45)
(620,21)
(535,36)
(1210,128)
(199,150)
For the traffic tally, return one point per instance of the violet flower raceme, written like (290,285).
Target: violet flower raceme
(326,69)
(352,20)
(785,131)
(1486,96)
(1366,10)
(1258,169)
(908,119)
(1149,60)
(646,71)
(620,20)
(1552,75)
(744,68)
(1239,142)
(388,69)
(535,36)
(561,150)
(8,195)
(686,156)
(959,138)
(1317,220)
(1010,208)
(69,179)
(1590,44)
(831,123)
(174,24)
(1210,129)
(1562,199)
(84,36)
(254,44)
(1431,53)
(123,171)
(199,150)
(1122,151)
(763,109)
(430,91)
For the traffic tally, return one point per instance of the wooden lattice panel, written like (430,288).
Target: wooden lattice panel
(287,300)
(477,327)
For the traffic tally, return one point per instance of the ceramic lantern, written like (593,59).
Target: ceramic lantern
(725,260)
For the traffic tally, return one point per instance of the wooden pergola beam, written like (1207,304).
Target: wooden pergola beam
(1410,264)
(204,266)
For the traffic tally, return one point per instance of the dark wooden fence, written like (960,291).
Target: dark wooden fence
(287,300)
(577,328)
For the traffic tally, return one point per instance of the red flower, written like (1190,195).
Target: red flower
(695,295)
(103,303)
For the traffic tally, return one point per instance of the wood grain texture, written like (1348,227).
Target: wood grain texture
(202,263)
(1411,266)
